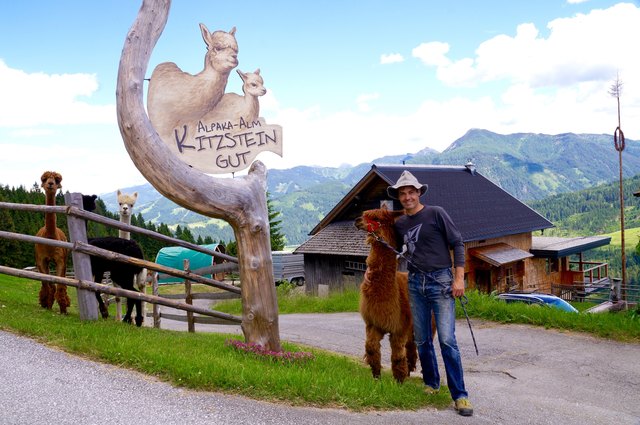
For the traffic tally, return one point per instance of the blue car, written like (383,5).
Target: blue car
(537,299)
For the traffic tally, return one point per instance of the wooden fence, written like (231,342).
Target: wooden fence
(83,280)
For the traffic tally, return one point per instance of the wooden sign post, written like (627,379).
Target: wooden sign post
(240,201)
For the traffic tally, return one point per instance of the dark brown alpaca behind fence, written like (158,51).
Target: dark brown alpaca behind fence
(384,298)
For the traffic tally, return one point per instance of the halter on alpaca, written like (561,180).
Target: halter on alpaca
(384,298)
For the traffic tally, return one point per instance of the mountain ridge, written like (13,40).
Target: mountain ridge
(530,166)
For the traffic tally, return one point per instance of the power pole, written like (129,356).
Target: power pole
(618,141)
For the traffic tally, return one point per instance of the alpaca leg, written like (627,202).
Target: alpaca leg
(139,312)
(140,284)
(46,296)
(398,357)
(61,290)
(118,309)
(62,298)
(104,311)
(130,304)
(127,315)
(372,349)
(412,353)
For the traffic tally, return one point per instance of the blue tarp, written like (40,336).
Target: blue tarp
(173,256)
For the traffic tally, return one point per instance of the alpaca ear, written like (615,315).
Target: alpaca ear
(242,75)
(257,71)
(205,34)
(119,193)
(232,31)
(135,195)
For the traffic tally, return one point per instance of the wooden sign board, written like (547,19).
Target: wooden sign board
(212,131)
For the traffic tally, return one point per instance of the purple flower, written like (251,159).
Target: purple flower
(285,357)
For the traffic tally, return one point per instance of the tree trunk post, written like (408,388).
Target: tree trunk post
(240,201)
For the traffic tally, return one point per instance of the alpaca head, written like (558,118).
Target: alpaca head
(89,202)
(126,202)
(222,49)
(253,84)
(378,224)
(51,182)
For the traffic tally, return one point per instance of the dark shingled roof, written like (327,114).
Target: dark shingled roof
(480,208)
(339,238)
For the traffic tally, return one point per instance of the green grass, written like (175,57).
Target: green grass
(292,301)
(621,326)
(202,361)
(631,237)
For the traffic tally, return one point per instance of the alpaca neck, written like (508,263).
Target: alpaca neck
(214,83)
(126,219)
(50,223)
(383,262)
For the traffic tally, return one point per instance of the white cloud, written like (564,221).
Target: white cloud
(42,99)
(432,53)
(581,48)
(391,58)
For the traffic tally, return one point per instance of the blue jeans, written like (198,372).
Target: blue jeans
(431,292)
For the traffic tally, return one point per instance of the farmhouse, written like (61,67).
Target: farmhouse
(501,252)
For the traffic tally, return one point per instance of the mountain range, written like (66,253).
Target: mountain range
(529,166)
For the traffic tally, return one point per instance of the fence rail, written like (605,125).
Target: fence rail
(81,251)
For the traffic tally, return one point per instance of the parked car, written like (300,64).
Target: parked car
(535,298)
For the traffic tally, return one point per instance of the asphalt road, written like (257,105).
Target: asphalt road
(523,375)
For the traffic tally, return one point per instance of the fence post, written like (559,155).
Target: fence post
(156,307)
(87,302)
(191,326)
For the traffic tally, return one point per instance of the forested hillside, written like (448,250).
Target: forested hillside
(591,211)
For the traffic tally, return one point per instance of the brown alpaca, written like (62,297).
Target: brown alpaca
(384,297)
(46,254)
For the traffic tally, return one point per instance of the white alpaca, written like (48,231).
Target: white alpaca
(125,209)
(233,106)
(175,96)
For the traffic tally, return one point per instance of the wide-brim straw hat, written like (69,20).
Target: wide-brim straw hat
(406,179)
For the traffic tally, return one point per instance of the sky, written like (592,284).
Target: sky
(348,80)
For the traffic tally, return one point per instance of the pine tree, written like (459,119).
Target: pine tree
(278,240)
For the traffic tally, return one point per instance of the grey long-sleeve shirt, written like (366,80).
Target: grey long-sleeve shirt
(429,235)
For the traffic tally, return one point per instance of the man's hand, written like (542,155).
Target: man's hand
(457,288)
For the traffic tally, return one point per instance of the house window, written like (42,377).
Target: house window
(552,265)
(510,279)
(354,265)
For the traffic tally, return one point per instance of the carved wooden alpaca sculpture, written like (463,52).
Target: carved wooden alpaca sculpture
(240,201)
(384,297)
(45,254)
(176,94)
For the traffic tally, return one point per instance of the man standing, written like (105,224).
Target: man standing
(426,235)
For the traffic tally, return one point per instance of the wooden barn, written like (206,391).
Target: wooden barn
(501,252)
